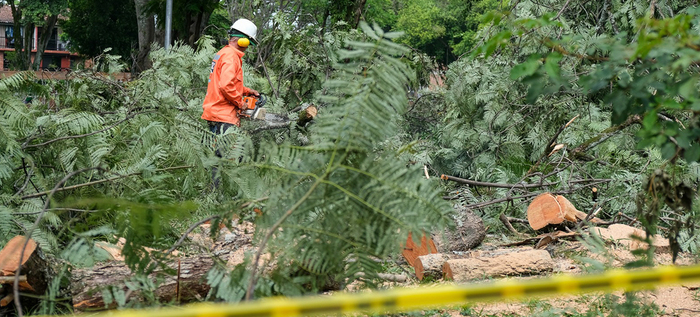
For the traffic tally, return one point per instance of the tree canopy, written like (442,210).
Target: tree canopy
(94,26)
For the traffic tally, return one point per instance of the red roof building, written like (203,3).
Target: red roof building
(56,56)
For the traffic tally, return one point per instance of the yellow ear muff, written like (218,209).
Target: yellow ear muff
(243,42)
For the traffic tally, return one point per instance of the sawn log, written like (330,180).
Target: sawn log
(430,265)
(89,285)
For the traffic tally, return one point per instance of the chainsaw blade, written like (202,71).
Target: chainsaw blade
(259,114)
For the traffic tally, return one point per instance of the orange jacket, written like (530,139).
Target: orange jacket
(225,90)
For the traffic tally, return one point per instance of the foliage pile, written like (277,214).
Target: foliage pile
(95,159)
(622,73)
(560,94)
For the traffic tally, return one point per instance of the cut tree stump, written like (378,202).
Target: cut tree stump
(430,265)
(411,251)
(510,262)
(88,285)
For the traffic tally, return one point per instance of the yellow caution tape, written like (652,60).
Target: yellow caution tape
(430,297)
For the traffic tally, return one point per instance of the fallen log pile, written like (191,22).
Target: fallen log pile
(450,258)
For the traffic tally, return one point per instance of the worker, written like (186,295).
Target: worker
(224,100)
(225,91)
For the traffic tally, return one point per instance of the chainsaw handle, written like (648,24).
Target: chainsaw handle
(261,100)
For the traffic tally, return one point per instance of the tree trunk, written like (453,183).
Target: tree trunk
(511,263)
(89,285)
(326,14)
(146,27)
(44,38)
(430,265)
(26,52)
(23,45)
(468,233)
(359,8)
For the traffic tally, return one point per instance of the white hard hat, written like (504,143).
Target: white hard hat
(245,27)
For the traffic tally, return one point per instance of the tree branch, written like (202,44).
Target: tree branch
(190,229)
(550,144)
(604,135)
(497,185)
(99,182)
(562,10)
(86,134)
(268,235)
(510,198)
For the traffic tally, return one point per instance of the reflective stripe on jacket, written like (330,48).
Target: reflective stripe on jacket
(225,90)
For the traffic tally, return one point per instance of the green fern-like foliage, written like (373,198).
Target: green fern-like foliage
(507,102)
(96,159)
(105,140)
(344,201)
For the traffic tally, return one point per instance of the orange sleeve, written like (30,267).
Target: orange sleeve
(231,81)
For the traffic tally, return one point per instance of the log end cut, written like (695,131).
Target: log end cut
(430,265)
(547,209)
(568,210)
(11,257)
(447,271)
(544,210)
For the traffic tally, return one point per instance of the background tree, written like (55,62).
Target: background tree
(189,18)
(146,25)
(27,15)
(94,26)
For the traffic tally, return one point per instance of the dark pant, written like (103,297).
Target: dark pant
(217,128)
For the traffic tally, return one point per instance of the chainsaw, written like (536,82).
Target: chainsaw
(253,107)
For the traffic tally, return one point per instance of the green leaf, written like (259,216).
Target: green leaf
(692,154)
(668,150)
(551,65)
(619,102)
(683,141)
(688,89)
(527,68)
(650,120)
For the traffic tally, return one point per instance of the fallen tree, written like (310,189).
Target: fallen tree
(89,287)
